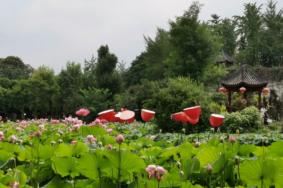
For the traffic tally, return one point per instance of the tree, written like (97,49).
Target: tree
(249,30)
(193,45)
(13,67)
(225,30)
(89,73)
(70,82)
(272,36)
(105,71)
(150,64)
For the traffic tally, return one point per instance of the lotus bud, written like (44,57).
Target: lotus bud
(120,139)
(109,147)
(232,139)
(90,139)
(184,130)
(13,138)
(14,184)
(182,173)
(197,144)
(74,142)
(209,168)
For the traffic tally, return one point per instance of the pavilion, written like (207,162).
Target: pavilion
(243,80)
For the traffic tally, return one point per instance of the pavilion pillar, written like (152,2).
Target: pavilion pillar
(259,100)
(229,101)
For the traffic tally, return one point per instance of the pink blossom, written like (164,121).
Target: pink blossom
(120,139)
(232,139)
(82,112)
(109,130)
(103,121)
(109,147)
(14,184)
(74,142)
(54,121)
(160,170)
(90,139)
(209,168)
(151,169)
(2,136)
(13,138)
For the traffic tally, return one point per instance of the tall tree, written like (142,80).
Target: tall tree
(249,30)
(272,37)
(225,30)
(150,64)
(13,67)
(105,71)
(70,83)
(193,44)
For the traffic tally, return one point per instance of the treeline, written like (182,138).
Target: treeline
(177,63)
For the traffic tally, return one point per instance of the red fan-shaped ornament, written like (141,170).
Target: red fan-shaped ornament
(216,120)
(108,115)
(193,112)
(127,116)
(147,115)
(180,117)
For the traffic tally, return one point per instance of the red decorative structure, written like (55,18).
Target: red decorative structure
(216,120)
(147,115)
(193,113)
(127,116)
(180,117)
(108,115)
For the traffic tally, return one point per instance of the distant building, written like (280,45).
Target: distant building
(224,59)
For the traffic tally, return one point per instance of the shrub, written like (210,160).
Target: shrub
(175,95)
(245,120)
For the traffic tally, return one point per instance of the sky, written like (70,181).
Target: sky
(53,32)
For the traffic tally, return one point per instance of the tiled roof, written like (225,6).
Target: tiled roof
(243,77)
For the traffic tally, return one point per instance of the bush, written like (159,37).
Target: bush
(175,95)
(246,120)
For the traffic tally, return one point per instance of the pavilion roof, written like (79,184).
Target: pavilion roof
(224,58)
(244,77)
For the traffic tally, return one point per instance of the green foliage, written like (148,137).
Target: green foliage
(175,95)
(246,120)
(194,45)
(105,73)
(13,67)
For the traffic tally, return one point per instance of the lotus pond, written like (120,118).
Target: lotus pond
(49,154)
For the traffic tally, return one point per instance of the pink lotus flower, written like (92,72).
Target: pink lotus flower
(109,147)
(232,139)
(109,130)
(82,112)
(120,139)
(151,169)
(90,139)
(13,138)
(209,168)
(74,142)
(54,121)
(160,171)
(2,136)
(14,184)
